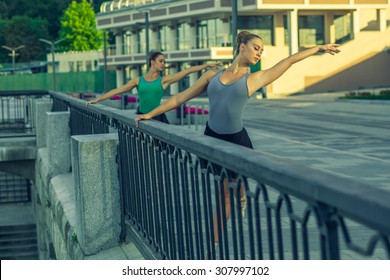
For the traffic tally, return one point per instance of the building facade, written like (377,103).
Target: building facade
(191,32)
(76,61)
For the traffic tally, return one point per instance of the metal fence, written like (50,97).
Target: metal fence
(184,195)
(91,81)
(16,110)
(14,189)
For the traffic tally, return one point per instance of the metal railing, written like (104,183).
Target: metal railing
(183,191)
(17,111)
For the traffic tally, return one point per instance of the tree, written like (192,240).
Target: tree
(49,10)
(3,10)
(78,28)
(29,30)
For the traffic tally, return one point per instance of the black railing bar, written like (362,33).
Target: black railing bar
(288,176)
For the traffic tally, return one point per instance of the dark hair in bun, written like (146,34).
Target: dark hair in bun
(244,37)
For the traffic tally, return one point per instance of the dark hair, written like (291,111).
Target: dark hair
(244,37)
(153,55)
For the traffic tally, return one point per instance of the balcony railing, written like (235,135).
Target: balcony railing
(181,44)
(174,182)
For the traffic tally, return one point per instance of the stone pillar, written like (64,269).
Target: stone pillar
(41,107)
(193,77)
(174,88)
(154,43)
(172,38)
(279,30)
(355,23)
(118,43)
(58,142)
(119,76)
(133,74)
(97,192)
(193,38)
(330,31)
(381,19)
(292,23)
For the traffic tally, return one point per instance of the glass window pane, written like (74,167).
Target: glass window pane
(342,24)
(311,30)
(286,34)
(259,25)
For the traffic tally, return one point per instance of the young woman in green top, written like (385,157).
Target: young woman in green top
(151,86)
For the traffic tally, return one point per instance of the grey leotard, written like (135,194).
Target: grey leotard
(227,103)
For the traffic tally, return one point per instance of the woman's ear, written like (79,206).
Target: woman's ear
(242,47)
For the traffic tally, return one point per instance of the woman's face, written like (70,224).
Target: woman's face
(159,62)
(253,50)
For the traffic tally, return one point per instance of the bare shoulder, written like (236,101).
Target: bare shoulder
(210,74)
(133,82)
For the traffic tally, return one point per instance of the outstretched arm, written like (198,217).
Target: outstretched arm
(129,86)
(263,78)
(175,101)
(174,78)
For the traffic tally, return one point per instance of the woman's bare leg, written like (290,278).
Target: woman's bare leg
(226,198)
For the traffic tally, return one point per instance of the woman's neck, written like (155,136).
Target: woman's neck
(238,67)
(152,74)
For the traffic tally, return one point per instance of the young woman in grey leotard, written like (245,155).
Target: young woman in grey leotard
(229,91)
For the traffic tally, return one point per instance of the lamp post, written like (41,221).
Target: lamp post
(13,54)
(234,23)
(52,45)
(146,23)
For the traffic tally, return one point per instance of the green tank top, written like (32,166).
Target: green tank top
(150,94)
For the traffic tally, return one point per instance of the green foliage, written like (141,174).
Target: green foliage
(3,10)
(49,10)
(74,238)
(22,30)
(383,95)
(78,28)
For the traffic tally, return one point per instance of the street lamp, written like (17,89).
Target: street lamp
(146,23)
(234,23)
(52,50)
(13,54)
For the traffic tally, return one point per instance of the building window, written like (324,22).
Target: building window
(342,24)
(202,34)
(88,65)
(79,66)
(286,34)
(209,33)
(259,25)
(311,30)
(183,38)
(71,66)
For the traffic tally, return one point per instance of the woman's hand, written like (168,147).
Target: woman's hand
(330,48)
(91,102)
(140,118)
(214,64)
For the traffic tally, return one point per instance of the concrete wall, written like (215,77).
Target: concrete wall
(76,193)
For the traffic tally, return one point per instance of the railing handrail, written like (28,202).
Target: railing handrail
(341,192)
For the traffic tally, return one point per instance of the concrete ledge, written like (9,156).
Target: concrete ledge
(56,219)
(97,191)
